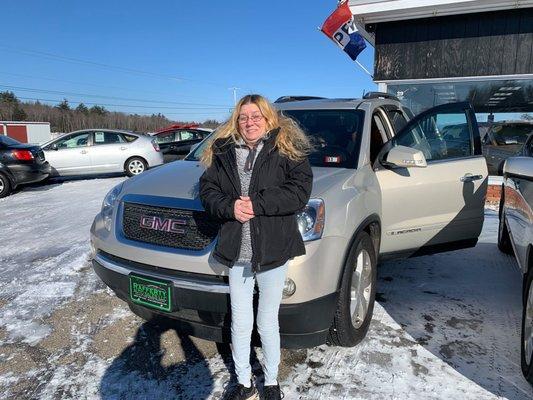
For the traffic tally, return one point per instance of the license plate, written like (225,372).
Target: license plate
(150,293)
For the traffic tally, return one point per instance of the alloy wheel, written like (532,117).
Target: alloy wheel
(361,288)
(136,167)
(2,185)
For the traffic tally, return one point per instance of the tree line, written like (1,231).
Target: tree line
(64,118)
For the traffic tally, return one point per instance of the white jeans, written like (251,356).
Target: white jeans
(241,284)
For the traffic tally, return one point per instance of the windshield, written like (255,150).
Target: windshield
(335,135)
(8,141)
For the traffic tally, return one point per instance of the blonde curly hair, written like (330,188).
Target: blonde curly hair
(291,141)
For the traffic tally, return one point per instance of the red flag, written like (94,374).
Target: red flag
(339,17)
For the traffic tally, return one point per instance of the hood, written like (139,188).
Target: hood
(179,179)
(325,178)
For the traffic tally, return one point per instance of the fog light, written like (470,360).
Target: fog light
(289,288)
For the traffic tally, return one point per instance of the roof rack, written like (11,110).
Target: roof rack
(380,95)
(286,99)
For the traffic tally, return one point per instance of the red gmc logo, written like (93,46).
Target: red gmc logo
(162,224)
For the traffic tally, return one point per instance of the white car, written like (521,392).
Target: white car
(97,151)
(515,235)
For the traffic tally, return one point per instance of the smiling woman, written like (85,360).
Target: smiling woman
(257,178)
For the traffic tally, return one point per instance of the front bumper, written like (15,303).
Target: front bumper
(30,173)
(201,304)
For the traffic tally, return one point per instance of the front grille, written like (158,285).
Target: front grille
(194,230)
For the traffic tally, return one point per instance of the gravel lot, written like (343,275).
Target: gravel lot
(445,326)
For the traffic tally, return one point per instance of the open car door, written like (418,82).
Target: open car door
(433,180)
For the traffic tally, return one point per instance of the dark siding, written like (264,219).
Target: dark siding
(495,43)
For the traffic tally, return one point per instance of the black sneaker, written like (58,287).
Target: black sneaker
(241,392)
(273,392)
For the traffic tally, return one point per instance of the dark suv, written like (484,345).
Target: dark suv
(176,141)
(20,163)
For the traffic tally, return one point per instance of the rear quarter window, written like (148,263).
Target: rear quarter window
(129,138)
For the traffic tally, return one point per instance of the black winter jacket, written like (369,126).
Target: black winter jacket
(279,188)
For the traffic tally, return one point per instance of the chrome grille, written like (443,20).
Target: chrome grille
(195,229)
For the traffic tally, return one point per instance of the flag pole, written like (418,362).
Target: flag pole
(358,63)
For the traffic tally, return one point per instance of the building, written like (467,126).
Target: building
(26,132)
(430,52)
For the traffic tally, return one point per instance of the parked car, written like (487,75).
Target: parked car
(176,141)
(98,151)
(20,164)
(504,139)
(515,235)
(384,187)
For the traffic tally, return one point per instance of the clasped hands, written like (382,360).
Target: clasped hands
(243,210)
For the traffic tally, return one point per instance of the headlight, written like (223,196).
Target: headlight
(108,205)
(311,220)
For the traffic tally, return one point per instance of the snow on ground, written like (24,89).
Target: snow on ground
(44,244)
(445,326)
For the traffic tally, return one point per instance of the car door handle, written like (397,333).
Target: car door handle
(471,178)
(123,148)
(84,152)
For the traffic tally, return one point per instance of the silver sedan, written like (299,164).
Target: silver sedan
(97,151)
(515,235)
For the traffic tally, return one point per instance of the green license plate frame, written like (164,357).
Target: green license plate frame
(150,292)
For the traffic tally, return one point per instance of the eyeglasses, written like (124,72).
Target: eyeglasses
(254,118)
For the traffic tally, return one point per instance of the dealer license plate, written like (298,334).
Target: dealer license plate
(150,292)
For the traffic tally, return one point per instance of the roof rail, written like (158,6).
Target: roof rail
(380,95)
(286,99)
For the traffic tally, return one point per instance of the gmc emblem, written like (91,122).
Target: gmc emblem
(162,224)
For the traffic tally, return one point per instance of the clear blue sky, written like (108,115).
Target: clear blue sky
(181,51)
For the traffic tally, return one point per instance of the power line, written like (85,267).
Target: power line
(134,71)
(34,90)
(124,105)
(82,83)
(207,112)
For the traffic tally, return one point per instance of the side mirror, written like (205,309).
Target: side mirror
(405,157)
(518,166)
(53,146)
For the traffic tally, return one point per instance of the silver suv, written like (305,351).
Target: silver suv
(385,185)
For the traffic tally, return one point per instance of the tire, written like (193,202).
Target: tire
(352,318)
(504,240)
(135,166)
(526,342)
(5,186)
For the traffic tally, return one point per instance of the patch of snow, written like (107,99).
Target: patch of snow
(44,247)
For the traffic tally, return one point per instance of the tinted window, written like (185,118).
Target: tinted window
(509,134)
(71,141)
(107,138)
(187,135)
(8,141)
(397,120)
(439,136)
(167,137)
(335,135)
(129,138)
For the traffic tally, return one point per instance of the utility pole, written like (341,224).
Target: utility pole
(234,94)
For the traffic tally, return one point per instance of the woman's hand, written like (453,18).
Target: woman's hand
(243,209)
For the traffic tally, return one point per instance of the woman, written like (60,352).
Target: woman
(257,177)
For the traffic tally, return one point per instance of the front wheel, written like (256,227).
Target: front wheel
(135,166)
(526,349)
(357,295)
(5,186)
